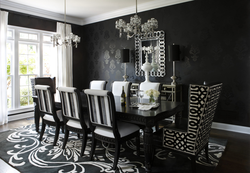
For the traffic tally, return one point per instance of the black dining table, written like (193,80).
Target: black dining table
(147,120)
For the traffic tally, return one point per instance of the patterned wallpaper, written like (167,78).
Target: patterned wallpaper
(214,40)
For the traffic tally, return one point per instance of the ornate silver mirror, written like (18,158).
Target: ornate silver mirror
(151,47)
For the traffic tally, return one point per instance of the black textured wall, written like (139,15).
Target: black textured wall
(214,38)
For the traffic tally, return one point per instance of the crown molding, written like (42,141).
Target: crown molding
(12,6)
(131,10)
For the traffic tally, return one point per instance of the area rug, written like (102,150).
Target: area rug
(22,149)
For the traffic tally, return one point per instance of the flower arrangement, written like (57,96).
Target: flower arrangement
(153,94)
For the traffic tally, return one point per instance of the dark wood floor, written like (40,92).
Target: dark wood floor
(235,159)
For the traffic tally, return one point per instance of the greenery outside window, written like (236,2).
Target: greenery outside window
(30,54)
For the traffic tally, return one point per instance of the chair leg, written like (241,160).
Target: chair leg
(92,147)
(193,160)
(84,141)
(138,145)
(117,154)
(62,128)
(42,131)
(206,151)
(78,135)
(56,134)
(66,136)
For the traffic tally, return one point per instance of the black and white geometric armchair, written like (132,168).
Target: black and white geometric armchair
(190,137)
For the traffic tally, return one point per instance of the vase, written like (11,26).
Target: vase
(151,99)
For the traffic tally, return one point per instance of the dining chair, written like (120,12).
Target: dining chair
(98,84)
(191,135)
(117,88)
(51,81)
(73,116)
(48,111)
(144,86)
(104,125)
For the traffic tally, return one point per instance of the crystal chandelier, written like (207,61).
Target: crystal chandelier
(67,40)
(135,27)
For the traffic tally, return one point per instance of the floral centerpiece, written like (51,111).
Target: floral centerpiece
(153,95)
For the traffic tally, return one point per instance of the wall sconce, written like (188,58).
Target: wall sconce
(125,59)
(174,55)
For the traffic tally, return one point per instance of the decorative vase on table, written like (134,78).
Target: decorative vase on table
(153,95)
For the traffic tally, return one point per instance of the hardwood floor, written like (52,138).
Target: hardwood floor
(236,158)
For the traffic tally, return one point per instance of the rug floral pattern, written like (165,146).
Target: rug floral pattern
(25,152)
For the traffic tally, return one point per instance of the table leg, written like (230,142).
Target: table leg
(148,148)
(36,116)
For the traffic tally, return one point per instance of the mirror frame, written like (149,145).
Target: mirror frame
(159,36)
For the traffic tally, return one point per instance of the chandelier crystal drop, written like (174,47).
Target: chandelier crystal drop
(135,26)
(66,40)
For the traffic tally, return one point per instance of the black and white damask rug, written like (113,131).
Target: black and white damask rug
(22,149)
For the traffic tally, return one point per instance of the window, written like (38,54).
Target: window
(30,53)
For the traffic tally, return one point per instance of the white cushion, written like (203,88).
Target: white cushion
(117,88)
(74,123)
(123,128)
(67,89)
(50,117)
(149,85)
(96,92)
(97,84)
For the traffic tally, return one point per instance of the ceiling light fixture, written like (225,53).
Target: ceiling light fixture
(135,26)
(67,40)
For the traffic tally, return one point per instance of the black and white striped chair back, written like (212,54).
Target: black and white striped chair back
(45,99)
(71,102)
(101,107)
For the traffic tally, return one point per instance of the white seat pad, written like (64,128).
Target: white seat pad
(50,117)
(123,128)
(74,124)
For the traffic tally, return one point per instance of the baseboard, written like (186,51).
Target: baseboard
(232,128)
(21,116)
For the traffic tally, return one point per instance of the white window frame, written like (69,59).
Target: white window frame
(15,83)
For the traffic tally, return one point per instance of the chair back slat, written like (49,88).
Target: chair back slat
(44,98)
(100,110)
(101,107)
(70,102)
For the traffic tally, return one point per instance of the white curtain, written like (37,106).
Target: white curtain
(3,68)
(64,75)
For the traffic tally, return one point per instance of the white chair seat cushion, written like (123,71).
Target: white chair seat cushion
(123,128)
(74,124)
(50,117)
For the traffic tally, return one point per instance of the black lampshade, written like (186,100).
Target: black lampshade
(124,55)
(174,53)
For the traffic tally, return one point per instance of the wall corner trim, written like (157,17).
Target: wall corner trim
(232,128)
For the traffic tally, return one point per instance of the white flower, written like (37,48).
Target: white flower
(153,93)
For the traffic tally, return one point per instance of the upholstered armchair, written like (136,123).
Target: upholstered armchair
(191,136)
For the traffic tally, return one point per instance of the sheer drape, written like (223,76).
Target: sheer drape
(3,68)
(64,60)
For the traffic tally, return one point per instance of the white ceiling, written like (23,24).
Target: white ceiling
(84,11)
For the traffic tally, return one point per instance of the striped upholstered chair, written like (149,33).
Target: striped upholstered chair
(190,137)
(73,116)
(48,111)
(104,125)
